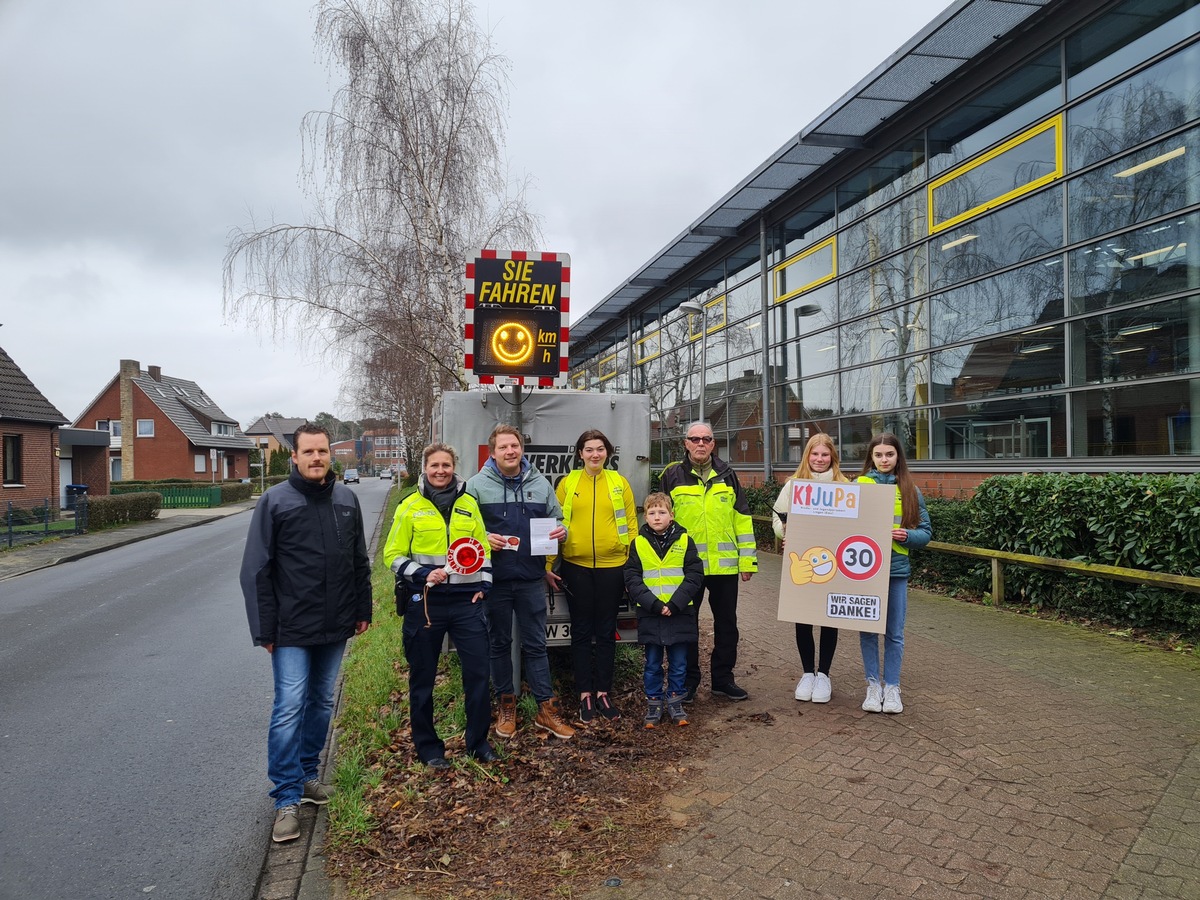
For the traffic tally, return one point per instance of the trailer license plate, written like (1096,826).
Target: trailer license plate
(558,631)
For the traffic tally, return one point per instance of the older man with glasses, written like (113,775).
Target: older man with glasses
(710,504)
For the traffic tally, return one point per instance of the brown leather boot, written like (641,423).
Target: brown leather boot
(549,718)
(506,718)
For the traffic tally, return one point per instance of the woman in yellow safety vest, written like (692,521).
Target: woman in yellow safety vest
(438,552)
(885,464)
(600,515)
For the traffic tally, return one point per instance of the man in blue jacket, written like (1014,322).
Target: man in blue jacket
(510,493)
(306,578)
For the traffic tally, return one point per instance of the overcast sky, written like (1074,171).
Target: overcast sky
(137,133)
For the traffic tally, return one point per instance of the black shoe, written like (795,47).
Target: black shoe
(486,755)
(587,711)
(606,709)
(689,694)
(730,691)
(438,762)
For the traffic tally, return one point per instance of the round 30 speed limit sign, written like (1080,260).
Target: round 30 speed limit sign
(859,557)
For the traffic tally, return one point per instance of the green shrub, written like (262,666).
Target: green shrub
(235,491)
(1135,521)
(944,572)
(107,512)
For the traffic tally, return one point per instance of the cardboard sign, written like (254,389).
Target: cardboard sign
(837,554)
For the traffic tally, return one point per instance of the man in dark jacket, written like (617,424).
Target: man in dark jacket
(306,578)
(511,493)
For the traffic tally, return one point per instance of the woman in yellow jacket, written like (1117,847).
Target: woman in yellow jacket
(438,595)
(600,515)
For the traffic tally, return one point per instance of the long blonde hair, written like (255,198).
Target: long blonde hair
(820,440)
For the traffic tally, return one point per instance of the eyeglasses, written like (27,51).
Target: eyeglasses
(700,440)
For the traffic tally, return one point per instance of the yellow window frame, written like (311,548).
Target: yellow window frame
(579,380)
(639,357)
(831,243)
(600,376)
(1054,123)
(714,324)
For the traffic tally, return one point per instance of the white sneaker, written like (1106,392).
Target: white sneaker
(891,699)
(874,701)
(823,689)
(804,690)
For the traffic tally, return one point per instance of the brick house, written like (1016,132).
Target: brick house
(164,427)
(29,426)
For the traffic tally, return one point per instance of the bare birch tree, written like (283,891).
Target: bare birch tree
(405,176)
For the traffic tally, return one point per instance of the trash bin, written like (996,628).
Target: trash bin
(75,491)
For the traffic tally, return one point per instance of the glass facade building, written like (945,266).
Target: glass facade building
(1005,272)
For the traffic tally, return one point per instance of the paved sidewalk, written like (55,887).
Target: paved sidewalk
(1031,760)
(31,557)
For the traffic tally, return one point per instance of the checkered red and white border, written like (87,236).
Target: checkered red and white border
(564,332)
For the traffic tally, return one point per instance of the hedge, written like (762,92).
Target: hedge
(106,512)
(235,491)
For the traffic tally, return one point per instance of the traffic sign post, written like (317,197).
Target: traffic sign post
(517,304)
(837,555)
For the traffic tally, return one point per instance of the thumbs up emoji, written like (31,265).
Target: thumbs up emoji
(801,570)
(816,564)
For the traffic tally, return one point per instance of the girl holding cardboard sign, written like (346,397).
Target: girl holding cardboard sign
(885,465)
(819,463)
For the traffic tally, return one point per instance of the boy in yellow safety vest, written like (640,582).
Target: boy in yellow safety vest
(665,578)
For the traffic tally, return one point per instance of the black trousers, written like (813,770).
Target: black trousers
(722,592)
(804,643)
(593,596)
(465,623)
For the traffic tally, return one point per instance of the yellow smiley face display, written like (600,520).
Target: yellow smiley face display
(815,565)
(512,343)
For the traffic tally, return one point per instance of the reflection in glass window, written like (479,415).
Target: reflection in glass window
(1016,167)
(1034,427)
(744,337)
(1136,420)
(742,264)
(895,332)
(857,431)
(886,231)
(744,300)
(808,312)
(897,383)
(798,401)
(1008,105)
(805,228)
(1144,342)
(1138,265)
(1014,233)
(1125,36)
(885,283)
(882,181)
(1014,299)
(805,357)
(1151,182)
(1154,101)
(1020,363)
(811,268)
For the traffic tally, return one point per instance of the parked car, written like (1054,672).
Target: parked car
(385,473)
(350,475)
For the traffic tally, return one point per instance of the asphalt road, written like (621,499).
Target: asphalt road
(133,717)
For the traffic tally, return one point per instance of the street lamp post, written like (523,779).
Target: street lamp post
(699,309)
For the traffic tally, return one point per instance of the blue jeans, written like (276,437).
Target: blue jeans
(677,663)
(893,638)
(304,681)
(528,600)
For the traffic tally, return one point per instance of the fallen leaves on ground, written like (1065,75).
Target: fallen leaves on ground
(551,818)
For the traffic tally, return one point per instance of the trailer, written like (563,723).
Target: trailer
(550,421)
